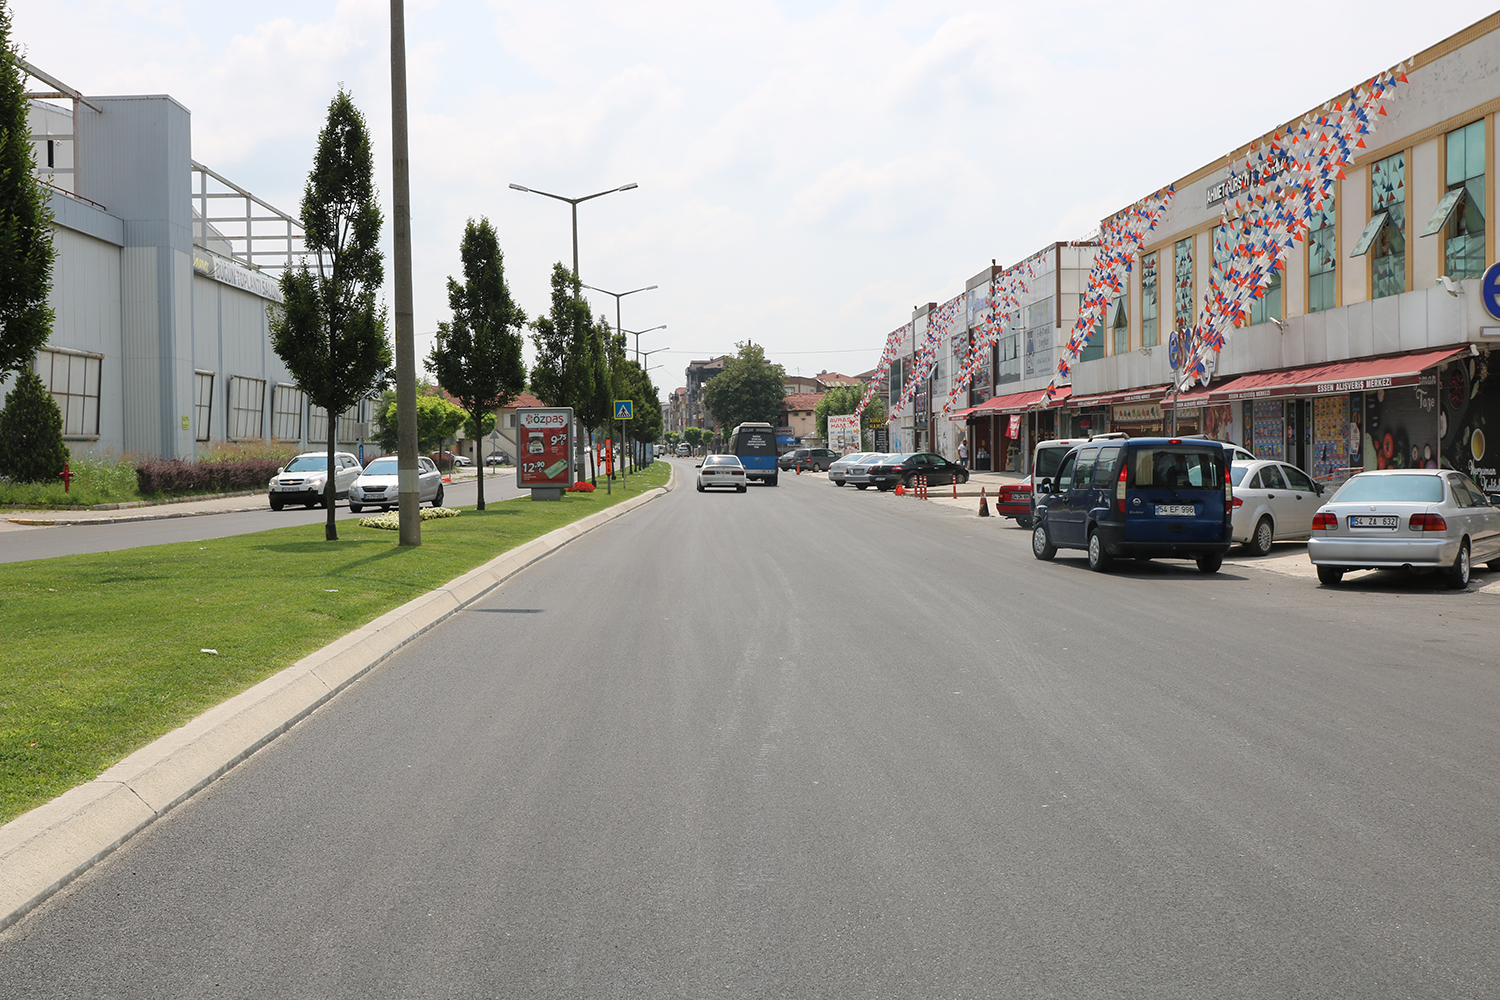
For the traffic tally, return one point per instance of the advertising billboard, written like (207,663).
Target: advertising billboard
(843,433)
(544,438)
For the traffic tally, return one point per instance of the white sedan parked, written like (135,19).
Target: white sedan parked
(1273,502)
(378,485)
(722,470)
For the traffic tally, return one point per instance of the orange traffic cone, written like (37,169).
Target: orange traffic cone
(984,504)
(900,490)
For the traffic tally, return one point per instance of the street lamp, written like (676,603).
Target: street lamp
(637,335)
(574,202)
(618,296)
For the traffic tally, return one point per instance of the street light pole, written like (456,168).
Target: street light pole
(573,202)
(637,335)
(618,296)
(409,517)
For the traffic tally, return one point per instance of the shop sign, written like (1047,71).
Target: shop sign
(1137,413)
(1489,290)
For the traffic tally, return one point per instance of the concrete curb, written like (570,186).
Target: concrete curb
(43,850)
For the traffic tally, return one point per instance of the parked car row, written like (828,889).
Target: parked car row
(1146,498)
(303,480)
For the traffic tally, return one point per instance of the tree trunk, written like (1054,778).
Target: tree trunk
(479,457)
(331,488)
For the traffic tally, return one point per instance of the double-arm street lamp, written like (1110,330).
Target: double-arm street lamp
(637,335)
(574,202)
(618,296)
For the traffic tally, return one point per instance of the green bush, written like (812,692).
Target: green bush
(31,441)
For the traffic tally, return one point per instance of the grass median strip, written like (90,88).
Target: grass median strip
(105,653)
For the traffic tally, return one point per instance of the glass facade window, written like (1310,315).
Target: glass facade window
(1094,349)
(1464,246)
(1150,300)
(203,404)
(1388,254)
(286,412)
(1182,287)
(73,378)
(1322,258)
(1269,304)
(1008,354)
(1119,322)
(247,403)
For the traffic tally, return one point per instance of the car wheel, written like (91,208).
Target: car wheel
(1210,564)
(1330,575)
(963,478)
(906,481)
(1457,576)
(275,504)
(861,486)
(773,480)
(355,508)
(1099,559)
(741,489)
(700,487)
(1041,545)
(1024,520)
(1260,540)
(437,501)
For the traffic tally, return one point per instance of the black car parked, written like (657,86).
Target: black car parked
(904,469)
(1144,497)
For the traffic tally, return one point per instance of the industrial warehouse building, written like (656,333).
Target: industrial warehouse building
(164,273)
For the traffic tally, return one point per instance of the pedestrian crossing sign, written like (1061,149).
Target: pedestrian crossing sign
(622,409)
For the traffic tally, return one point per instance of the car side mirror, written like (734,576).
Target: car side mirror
(698,466)
(1045,486)
(1319,488)
(1495,499)
(280,469)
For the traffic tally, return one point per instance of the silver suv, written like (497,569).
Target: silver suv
(303,479)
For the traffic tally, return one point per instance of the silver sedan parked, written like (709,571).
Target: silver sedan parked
(1414,519)
(840,468)
(858,474)
(378,485)
(1273,502)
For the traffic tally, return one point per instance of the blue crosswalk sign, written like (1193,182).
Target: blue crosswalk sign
(623,409)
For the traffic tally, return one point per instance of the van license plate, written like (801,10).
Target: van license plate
(1378,521)
(1175,510)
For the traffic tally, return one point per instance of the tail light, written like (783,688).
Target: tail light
(1325,520)
(1237,503)
(1230,503)
(1428,522)
(1120,486)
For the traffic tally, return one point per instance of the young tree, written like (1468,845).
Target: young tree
(31,441)
(477,356)
(25,225)
(749,388)
(330,333)
(437,421)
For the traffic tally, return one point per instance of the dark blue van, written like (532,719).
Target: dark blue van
(1140,498)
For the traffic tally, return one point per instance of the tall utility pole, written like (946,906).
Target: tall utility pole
(406,346)
(573,202)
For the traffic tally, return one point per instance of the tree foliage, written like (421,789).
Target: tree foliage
(437,420)
(331,333)
(749,388)
(31,426)
(571,367)
(26,252)
(843,399)
(477,357)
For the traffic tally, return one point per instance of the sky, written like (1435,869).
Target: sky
(808,172)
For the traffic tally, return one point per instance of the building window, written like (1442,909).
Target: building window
(1464,253)
(1182,287)
(1322,258)
(1119,322)
(1150,301)
(1268,305)
(1094,349)
(73,379)
(247,403)
(349,423)
(203,404)
(1388,246)
(286,412)
(317,425)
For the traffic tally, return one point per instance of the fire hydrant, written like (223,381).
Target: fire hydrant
(66,475)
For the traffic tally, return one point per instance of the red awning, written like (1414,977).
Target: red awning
(1335,378)
(1020,402)
(1122,396)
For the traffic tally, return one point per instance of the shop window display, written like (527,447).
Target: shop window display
(1468,417)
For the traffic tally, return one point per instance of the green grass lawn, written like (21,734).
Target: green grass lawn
(103,652)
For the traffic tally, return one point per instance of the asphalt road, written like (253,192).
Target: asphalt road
(808,742)
(43,542)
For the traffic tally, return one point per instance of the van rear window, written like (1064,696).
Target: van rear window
(1174,468)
